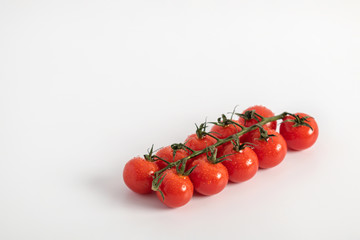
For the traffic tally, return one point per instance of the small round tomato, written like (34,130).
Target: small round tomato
(225,131)
(197,144)
(241,165)
(261,110)
(208,178)
(138,174)
(270,152)
(247,137)
(166,153)
(299,137)
(177,189)
(221,149)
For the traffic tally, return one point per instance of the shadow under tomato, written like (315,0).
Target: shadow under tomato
(234,183)
(115,189)
(141,200)
(199,195)
(289,150)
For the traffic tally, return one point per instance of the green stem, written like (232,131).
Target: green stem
(225,140)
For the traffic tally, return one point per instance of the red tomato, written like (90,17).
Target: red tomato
(299,137)
(226,131)
(177,189)
(221,148)
(166,153)
(208,178)
(261,110)
(138,174)
(223,132)
(247,137)
(197,144)
(271,152)
(242,165)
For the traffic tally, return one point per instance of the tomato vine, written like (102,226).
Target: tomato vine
(222,121)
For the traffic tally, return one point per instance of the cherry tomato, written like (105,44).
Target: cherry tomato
(271,152)
(223,132)
(221,148)
(166,153)
(177,189)
(247,137)
(138,174)
(261,110)
(242,165)
(197,144)
(208,178)
(299,137)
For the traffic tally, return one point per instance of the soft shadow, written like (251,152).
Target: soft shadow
(147,201)
(114,188)
(198,195)
(263,169)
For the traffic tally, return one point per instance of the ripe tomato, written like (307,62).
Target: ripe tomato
(197,144)
(271,152)
(242,165)
(247,137)
(221,148)
(166,153)
(138,174)
(299,137)
(223,132)
(177,189)
(208,178)
(261,110)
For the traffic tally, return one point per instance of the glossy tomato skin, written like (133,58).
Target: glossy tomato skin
(261,110)
(138,174)
(166,153)
(209,178)
(177,189)
(221,149)
(224,131)
(271,152)
(197,144)
(300,137)
(250,135)
(242,165)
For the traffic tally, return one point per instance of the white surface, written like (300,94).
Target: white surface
(87,85)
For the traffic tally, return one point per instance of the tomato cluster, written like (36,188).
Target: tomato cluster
(233,150)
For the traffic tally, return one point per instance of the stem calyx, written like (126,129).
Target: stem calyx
(299,121)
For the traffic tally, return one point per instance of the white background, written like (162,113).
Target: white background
(87,85)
